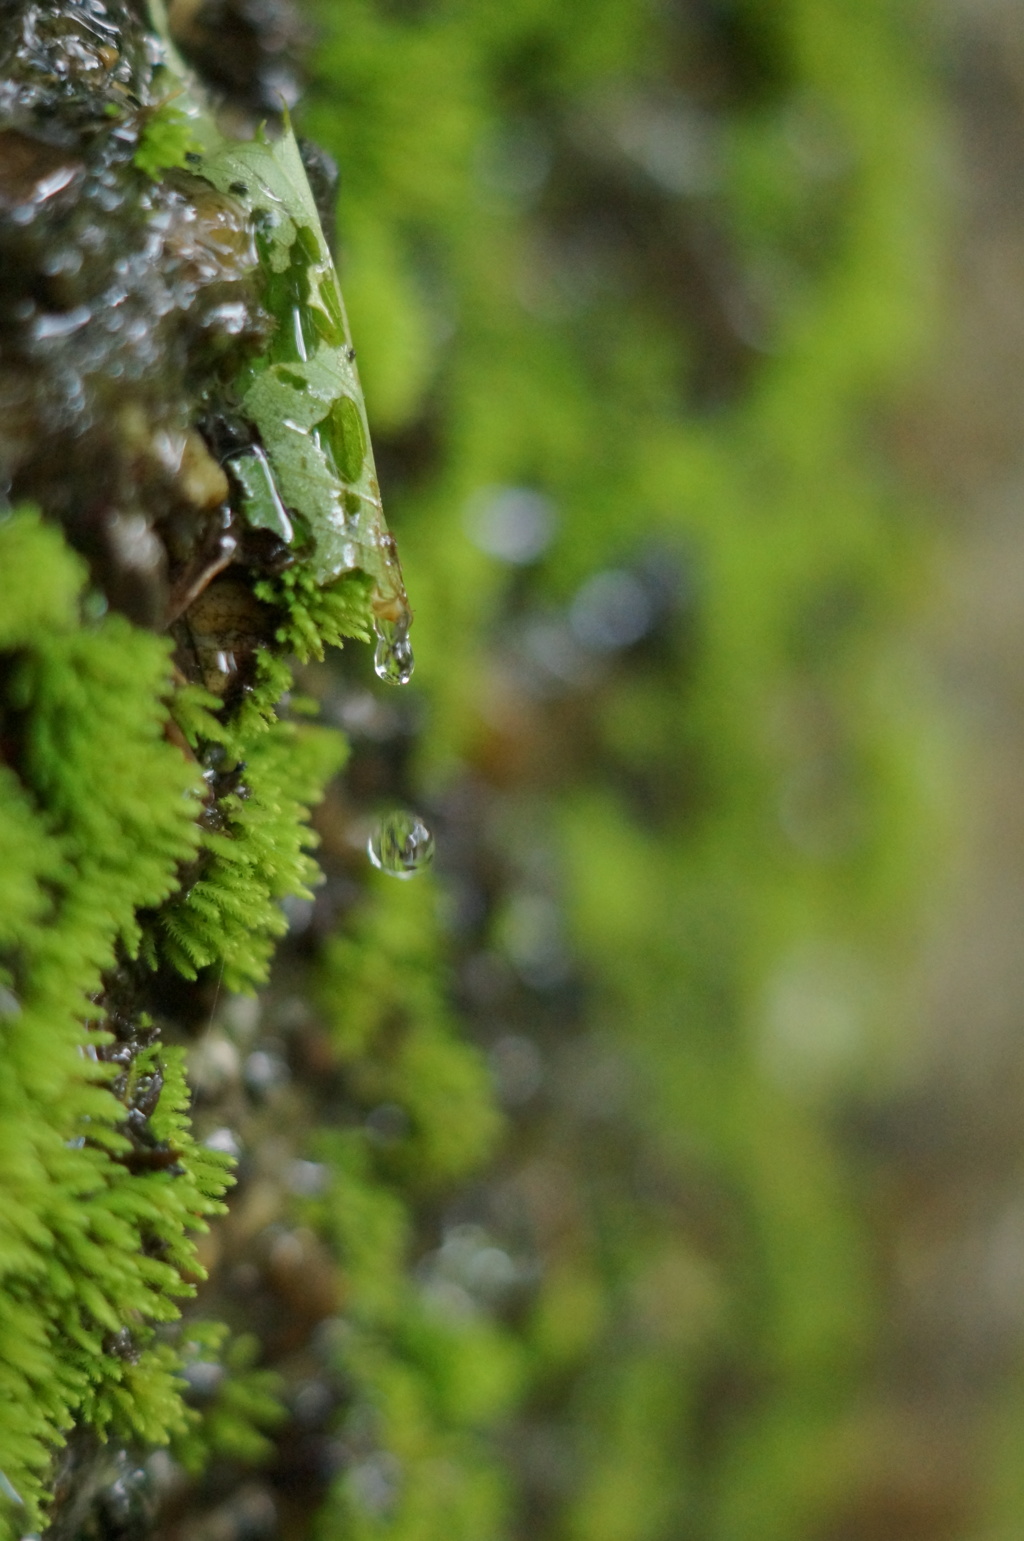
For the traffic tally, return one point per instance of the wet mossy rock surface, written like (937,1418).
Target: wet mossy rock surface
(510,1204)
(156,791)
(125,298)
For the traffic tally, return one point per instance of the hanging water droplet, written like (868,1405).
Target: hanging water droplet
(401,845)
(393,660)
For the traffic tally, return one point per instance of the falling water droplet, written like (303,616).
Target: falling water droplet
(401,845)
(393,660)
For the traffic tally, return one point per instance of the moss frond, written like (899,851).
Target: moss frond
(315,618)
(231,913)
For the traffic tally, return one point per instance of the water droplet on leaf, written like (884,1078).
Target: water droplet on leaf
(401,845)
(393,660)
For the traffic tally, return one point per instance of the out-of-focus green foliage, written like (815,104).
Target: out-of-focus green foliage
(429,1381)
(661,265)
(245,1401)
(394,1033)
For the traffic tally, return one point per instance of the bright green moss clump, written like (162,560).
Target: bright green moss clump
(256,854)
(100,818)
(97,810)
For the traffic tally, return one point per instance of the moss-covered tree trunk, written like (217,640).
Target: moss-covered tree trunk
(629,286)
(164,548)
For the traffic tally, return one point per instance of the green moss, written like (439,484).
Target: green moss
(98,811)
(168,139)
(244,1406)
(382,989)
(428,1381)
(710,1254)
(100,822)
(315,617)
(228,912)
(722,815)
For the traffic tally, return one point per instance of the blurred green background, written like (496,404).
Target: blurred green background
(650,298)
